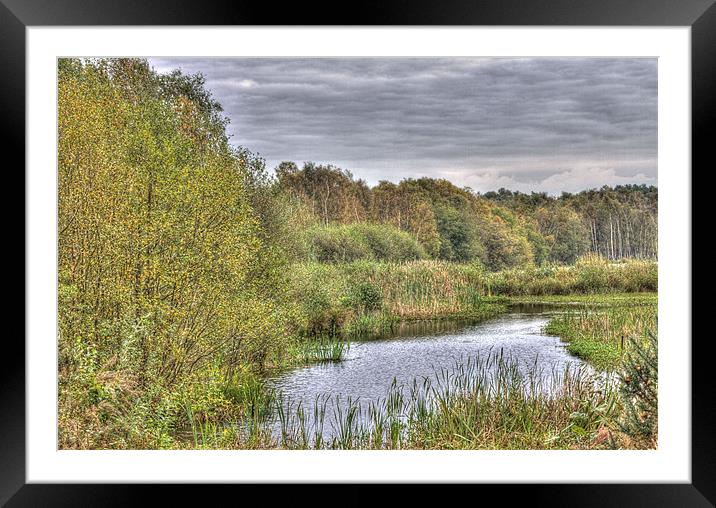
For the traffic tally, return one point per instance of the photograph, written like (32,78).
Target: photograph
(406,243)
(357,253)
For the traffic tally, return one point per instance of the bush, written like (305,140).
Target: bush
(319,291)
(640,276)
(377,242)
(593,273)
(336,244)
(639,390)
(365,296)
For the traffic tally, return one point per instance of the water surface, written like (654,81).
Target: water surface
(424,349)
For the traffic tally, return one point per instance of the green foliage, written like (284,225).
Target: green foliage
(164,269)
(506,246)
(319,290)
(330,192)
(458,242)
(246,390)
(345,243)
(615,222)
(639,390)
(503,230)
(365,296)
(539,246)
(564,231)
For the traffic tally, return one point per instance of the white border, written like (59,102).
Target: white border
(671,462)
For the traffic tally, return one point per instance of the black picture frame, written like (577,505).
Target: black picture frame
(700,15)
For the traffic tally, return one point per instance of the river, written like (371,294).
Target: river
(422,351)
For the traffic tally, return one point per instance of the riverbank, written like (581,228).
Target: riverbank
(350,299)
(587,300)
(491,402)
(602,335)
(488,402)
(340,303)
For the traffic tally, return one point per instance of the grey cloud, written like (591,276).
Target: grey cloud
(541,122)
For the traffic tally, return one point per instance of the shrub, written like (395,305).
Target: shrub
(346,243)
(592,273)
(365,296)
(639,390)
(640,276)
(336,244)
(319,291)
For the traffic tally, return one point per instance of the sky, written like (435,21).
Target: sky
(527,124)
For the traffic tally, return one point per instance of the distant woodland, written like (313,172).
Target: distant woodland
(501,229)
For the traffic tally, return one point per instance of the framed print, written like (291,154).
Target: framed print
(418,245)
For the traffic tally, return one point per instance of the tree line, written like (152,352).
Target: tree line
(618,222)
(501,229)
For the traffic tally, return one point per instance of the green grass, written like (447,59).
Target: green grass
(322,350)
(486,403)
(601,334)
(368,296)
(594,300)
(248,391)
(492,404)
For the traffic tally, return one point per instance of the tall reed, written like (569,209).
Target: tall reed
(490,402)
(367,297)
(602,335)
(323,350)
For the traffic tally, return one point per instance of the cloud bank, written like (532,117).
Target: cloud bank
(527,124)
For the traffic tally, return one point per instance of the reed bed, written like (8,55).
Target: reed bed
(367,296)
(602,335)
(323,350)
(489,402)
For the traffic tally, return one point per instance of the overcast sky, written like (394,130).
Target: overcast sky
(529,124)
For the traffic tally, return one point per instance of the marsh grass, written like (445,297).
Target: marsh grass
(364,297)
(323,350)
(639,389)
(486,402)
(592,300)
(370,324)
(248,406)
(490,402)
(205,434)
(602,335)
(249,392)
